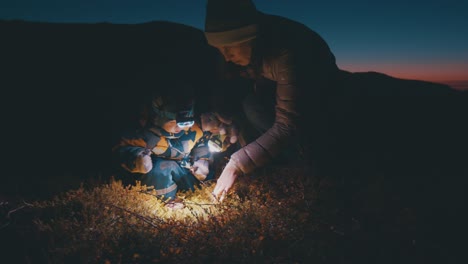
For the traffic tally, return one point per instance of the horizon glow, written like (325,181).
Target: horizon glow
(416,40)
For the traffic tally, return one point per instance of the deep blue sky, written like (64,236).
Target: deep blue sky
(400,37)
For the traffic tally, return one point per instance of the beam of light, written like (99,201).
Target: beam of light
(199,206)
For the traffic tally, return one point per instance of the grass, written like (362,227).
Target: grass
(282,214)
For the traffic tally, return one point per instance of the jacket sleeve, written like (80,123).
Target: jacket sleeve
(201,150)
(295,76)
(184,146)
(131,146)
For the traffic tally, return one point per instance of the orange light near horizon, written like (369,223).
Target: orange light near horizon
(436,72)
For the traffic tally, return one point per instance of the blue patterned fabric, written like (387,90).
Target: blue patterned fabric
(172,156)
(167,177)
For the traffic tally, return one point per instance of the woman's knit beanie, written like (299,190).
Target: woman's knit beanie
(230,22)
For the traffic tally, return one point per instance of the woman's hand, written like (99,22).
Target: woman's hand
(225,181)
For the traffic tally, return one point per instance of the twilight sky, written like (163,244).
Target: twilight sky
(404,38)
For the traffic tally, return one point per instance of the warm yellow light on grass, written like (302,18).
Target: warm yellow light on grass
(199,204)
(128,222)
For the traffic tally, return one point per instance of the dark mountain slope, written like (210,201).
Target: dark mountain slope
(69,88)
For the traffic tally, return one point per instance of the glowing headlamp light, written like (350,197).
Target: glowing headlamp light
(215,144)
(185,124)
(185,117)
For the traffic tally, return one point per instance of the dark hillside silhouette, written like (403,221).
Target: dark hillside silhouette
(72,87)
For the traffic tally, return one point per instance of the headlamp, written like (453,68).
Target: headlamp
(185,124)
(215,144)
(185,117)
